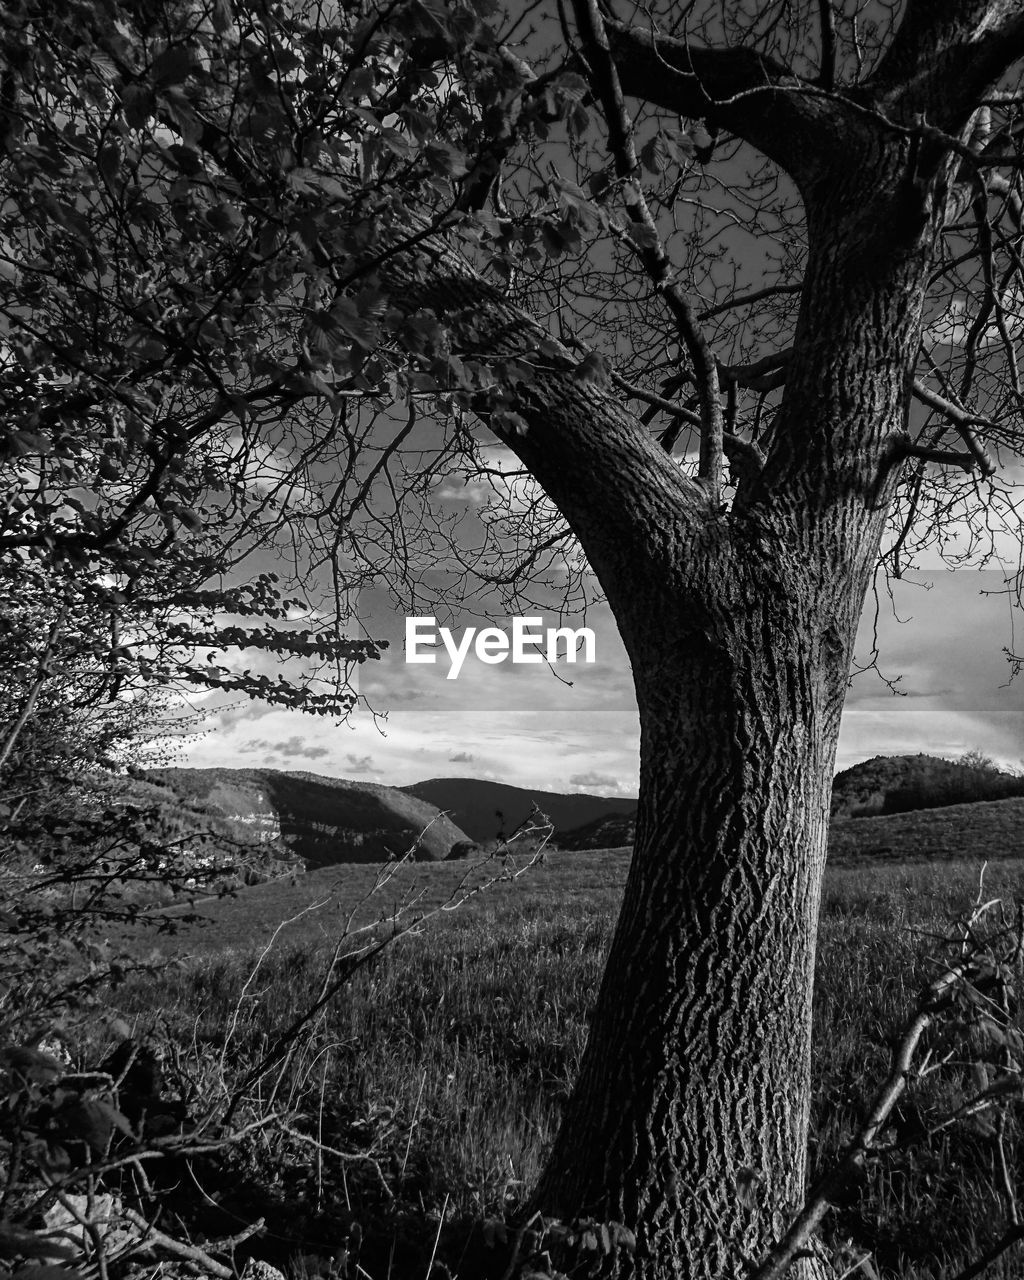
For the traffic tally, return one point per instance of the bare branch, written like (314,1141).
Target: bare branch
(656,402)
(827,74)
(747,299)
(963,421)
(652,253)
(765,374)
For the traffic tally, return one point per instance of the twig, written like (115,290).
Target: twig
(433,1252)
(347,1156)
(517,1244)
(187,1252)
(827,24)
(982,1264)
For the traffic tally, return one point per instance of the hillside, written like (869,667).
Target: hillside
(897,784)
(608,832)
(474,804)
(960,835)
(321,820)
(881,785)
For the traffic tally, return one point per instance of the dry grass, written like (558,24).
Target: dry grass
(449,1060)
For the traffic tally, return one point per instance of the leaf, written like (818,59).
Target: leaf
(29,1064)
(222,17)
(654,154)
(494,1232)
(446,159)
(138,103)
(701,138)
(192,520)
(28,442)
(110,161)
(346,315)
(172,66)
(93,1122)
(510,422)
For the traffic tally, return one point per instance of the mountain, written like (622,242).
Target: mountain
(609,832)
(322,820)
(474,804)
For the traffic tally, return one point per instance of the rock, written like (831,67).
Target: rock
(257,1269)
(102,1212)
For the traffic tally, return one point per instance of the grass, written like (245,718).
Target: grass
(435,1081)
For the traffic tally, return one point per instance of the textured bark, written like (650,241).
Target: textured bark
(696,1074)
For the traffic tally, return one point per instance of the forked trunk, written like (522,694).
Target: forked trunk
(688,1122)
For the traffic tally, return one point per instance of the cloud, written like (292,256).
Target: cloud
(461,757)
(952,327)
(294,747)
(359,764)
(594,781)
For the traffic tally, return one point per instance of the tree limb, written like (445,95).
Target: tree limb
(963,421)
(746,299)
(738,89)
(944,57)
(652,254)
(827,28)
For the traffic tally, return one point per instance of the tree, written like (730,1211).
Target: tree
(361,232)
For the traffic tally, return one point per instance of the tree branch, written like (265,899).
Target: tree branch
(652,253)
(746,299)
(827,26)
(945,56)
(963,421)
(738,89)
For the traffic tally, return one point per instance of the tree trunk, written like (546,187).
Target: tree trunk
(688,1122)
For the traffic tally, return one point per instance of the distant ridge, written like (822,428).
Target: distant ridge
(877,787)
(320,819)
(474,804)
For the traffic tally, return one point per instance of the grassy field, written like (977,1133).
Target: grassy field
(319,902)
(435,1081)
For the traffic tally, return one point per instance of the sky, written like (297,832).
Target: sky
(574,727)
